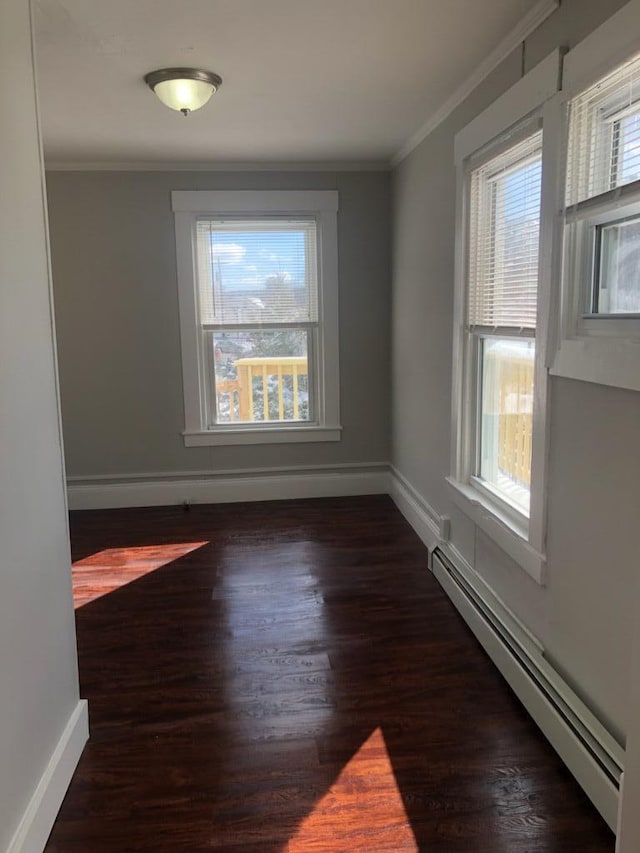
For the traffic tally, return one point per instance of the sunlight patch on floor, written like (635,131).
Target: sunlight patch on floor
(108,570)
(363,809)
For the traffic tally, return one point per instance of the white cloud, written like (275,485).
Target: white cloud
(229,253)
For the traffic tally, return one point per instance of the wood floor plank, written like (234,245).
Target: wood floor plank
(289,678)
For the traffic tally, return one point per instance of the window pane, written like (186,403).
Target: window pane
(618,290)
(604,134)
(261,376)
(504,237)
(506,417)
(253,272)
(628,147)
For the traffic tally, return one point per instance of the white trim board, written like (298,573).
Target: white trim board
(524,97)
(531,21)
(421,516)
(586,748)
(213,473)
(39,816)
(496,525)
(228,487)
(609,45)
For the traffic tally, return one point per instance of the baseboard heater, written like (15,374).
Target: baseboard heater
(590,752)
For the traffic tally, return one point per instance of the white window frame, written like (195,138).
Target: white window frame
(322,205)
(532,99)
(600,348)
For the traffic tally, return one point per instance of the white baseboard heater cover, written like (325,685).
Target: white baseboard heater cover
(590,752)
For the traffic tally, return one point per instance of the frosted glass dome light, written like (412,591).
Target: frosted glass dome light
(183,89)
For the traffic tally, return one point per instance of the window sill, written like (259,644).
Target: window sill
(281,435)
(511,537)
(605,361)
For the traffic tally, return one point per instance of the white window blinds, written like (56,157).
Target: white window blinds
(260,272)
(604,135)
(504,230)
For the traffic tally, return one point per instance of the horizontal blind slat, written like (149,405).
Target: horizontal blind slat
(256,271)
(604,134)
(504,229)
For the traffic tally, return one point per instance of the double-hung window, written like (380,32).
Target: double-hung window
(499,382)
(502,300)
(603,158)
(600,329)
(258,308)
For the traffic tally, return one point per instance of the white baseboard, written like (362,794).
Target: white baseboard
(228,487)
(422,517)
(591,754)
(37,821)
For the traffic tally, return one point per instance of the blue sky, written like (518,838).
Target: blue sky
(528,177)
(630,149)
(245,260)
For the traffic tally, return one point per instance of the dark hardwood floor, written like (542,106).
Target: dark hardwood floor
(290,677)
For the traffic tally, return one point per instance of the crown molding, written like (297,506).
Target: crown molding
(230,166)
(531,21)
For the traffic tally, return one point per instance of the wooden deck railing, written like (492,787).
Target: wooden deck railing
(515,419)
(515,381)
(243,406)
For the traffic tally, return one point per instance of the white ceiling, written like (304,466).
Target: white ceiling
(304,80)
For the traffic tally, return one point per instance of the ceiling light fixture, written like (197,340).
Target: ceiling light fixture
(183,89)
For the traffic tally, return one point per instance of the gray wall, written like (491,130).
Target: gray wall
(113,254)
(38,667)
(584,614)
